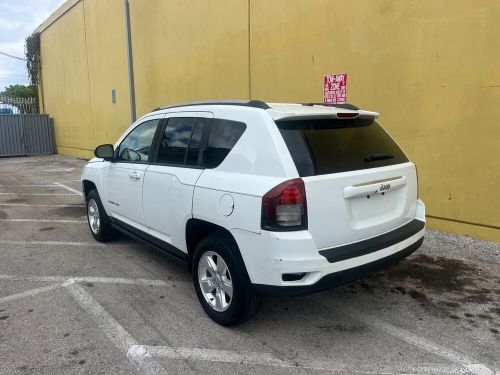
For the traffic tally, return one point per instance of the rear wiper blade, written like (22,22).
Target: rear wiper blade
(374,157)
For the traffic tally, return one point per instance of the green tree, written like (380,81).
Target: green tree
(20,91)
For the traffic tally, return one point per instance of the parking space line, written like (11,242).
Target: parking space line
(30,292)
(97,279)
(69,188)
(471,366)
(113,330)
(268,359)
(143,357)
(41,205)
(36,194)
(43,221)
(34,185)
(52,243)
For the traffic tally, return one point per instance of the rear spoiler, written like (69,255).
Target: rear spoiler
(362,115)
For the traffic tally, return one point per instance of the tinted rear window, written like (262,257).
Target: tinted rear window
(327,146)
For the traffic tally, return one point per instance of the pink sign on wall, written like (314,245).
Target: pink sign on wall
(335,88)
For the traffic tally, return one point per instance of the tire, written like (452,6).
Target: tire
(243,303)
(98,220)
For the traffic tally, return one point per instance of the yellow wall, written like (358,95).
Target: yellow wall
(193,52)
(83,59)
(429,67)
(65,82)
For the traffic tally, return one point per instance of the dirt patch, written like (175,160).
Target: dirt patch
(437,274)
(495,310)
(478,296)
(45,229)
(16,200)
(3,215)
(71,211)
(351,328)
(447,287)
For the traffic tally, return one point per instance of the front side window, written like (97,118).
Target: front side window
(136,146)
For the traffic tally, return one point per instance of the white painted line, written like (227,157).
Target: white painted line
(51,243)
(34,278)
(97,280)
(58,170)
(113,330)
(31,292)
(42,221)
(70,181)
(69,188)
(268,359)
(49,185)
(35,194)
(210,355)
(41,205)
(469,364)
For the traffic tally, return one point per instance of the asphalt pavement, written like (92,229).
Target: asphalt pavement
(71,305)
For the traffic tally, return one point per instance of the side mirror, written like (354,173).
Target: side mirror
(106,152)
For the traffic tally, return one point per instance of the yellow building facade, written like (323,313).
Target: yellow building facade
(429,67)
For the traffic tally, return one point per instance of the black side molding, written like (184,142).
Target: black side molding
(145,238)
(337,278)
(337,254)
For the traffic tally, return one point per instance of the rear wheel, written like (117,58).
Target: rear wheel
(99,223)
(221,281)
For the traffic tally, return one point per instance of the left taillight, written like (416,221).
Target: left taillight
(284,207)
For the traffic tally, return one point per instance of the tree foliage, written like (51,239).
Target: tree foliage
(20,91)
(32,52)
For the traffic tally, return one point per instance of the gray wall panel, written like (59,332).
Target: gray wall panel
(26,135)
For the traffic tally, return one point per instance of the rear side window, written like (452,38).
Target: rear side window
(175,140)
(223,136)
(327,146)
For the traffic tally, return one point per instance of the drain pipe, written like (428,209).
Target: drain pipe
(130,58)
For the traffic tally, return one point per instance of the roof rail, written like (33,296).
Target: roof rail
(344,106)
(244,103)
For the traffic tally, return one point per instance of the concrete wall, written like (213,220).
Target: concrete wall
(429,67)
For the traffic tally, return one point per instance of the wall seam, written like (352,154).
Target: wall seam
(249,51)
(88,70)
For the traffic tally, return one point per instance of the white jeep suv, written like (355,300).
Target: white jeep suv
(259,199)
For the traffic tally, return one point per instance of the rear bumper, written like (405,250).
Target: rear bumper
(338,278)
(273,259)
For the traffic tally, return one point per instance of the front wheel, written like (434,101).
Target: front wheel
(221,281)
(99,223)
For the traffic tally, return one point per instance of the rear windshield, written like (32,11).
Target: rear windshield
(325,146)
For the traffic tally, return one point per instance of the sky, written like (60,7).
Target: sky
(18,19)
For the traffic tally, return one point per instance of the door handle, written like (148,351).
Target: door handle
(134,175)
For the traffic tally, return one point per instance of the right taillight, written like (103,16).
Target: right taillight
(284,207)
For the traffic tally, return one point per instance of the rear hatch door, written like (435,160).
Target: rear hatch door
(359,183)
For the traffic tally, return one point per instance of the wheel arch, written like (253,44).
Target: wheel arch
(197,229)
(87,186)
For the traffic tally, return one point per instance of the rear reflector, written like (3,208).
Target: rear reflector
(293,276)
(284,207)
